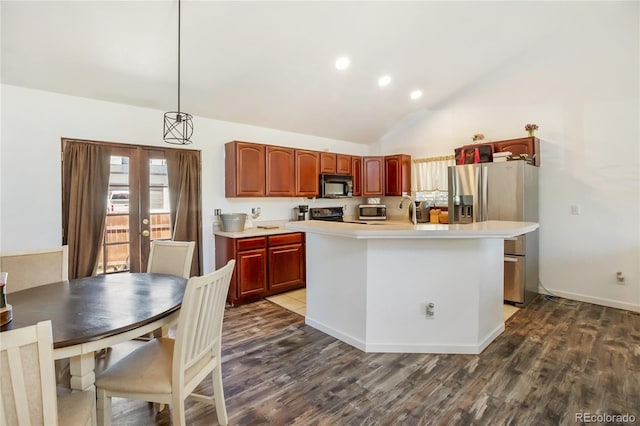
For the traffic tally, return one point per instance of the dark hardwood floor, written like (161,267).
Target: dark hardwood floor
(556,359)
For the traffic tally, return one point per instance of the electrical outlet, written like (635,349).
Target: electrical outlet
(575,209)
(430,310)
(620,278)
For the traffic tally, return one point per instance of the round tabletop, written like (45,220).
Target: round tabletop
(92,308)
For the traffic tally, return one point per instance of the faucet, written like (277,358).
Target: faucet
(412,207)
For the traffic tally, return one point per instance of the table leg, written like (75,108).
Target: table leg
(82,370)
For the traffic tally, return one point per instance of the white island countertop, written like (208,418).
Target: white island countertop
(386,230)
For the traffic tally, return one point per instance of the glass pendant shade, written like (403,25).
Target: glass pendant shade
(178,127)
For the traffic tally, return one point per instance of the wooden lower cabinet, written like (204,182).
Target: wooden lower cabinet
(286,262)
(251,268)
(265,265)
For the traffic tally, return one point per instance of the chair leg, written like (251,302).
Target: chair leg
(94,412)
(103,408)
(177,411)
(218,395)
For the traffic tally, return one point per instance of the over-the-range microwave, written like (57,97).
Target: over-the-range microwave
(336,186)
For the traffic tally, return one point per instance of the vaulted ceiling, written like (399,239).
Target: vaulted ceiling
(271,64)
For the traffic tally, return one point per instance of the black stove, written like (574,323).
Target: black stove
(334,214)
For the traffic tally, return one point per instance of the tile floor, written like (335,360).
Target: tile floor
(296,301)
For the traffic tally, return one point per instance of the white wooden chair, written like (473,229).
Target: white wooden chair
(171,257)
(35,268)
(166,370)
(28,384)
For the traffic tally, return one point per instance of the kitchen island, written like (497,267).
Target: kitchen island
(371,285)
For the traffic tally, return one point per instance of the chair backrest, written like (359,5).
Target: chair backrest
(27,377)
(35,268)
(171,257)
(199,332)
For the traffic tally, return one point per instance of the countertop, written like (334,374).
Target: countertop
(259,232)
(405,230)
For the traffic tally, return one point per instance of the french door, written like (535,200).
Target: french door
(138,209)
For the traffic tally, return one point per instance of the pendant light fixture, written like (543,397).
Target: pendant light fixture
(178,125)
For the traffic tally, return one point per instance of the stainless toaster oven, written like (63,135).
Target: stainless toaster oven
(372,212)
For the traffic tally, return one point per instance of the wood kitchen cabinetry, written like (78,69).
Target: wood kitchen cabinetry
(307,164)
(397,171)
(286,262)
(328,163)
(257,170)
(244,169)
(343,164)
(265,265)
(372,176)
(529,146)
(356,171)
(280,171)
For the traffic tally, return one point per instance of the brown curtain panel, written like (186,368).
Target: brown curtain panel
(183,168)
(85,174)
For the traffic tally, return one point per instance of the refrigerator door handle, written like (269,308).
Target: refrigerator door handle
(511,259)
(484,195)
(476,201)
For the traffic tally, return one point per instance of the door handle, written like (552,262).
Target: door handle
(511,259)
(145,233)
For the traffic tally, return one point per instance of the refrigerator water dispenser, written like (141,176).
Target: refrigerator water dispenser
(463,209)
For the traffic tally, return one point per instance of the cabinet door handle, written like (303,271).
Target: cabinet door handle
(511,259)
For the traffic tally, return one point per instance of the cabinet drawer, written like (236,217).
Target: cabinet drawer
(251,243)
(277,240)
(515,245)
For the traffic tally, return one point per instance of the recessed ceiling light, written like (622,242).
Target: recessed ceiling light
(343,63)
(416,94)
(384,81)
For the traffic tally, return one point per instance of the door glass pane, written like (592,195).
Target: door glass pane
(159,200)
(116,241)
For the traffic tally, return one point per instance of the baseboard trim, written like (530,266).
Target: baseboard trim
(590,299)
(431,348)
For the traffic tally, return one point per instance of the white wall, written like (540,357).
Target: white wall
(582,89)
(33,122)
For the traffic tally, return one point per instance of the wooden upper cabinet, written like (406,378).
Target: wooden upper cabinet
(307,165)
(244,169)
(328,163)
(372,176)
(397,174)
(343,164)
(356,172)
(280,171)
(530,146)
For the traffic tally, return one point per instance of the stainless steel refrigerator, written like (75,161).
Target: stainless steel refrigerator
(502,191)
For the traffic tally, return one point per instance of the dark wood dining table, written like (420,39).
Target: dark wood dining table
(93,313)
